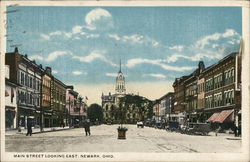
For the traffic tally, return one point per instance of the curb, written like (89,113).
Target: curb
(42,131)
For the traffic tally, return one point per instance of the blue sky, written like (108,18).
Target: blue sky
(83,45)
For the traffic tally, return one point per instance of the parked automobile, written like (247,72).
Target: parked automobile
(140,124)
(172,126)
(197,129)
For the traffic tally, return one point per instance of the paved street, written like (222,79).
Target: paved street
(104,139)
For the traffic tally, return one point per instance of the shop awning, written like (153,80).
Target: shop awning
(213,117)
(223,116)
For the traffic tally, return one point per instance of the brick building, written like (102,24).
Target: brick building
(58,101)
(46,97)
(222,90)
(28,75)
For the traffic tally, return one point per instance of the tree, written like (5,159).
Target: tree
(143,105)
(95,112)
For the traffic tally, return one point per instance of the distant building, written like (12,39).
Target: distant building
(58,101)
(46,97)
(166,106)
(156,111)
(191,92)
(71,105)
(112,103)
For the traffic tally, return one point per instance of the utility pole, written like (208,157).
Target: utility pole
(69,114)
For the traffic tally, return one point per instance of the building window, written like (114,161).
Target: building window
(229,97)
(209,85)
(217,99)
(26,79)
(22,78)
(30,99)
(26,98)
(38,102)
(209,101)
(229,76)
(34,83)
(31,81)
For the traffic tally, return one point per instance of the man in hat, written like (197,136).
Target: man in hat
(87,127)
(29,127)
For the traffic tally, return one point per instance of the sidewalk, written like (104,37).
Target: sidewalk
(35,130)
(225,135)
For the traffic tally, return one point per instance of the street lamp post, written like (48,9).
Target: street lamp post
(69,118)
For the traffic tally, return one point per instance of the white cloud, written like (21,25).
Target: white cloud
(155,43)
(77,29)
(97,15)
(196,57)
(229,33)
(177,48)
(45,37)
(54,71)
(95,55)
(114,36)
(76,38)
(214,37)
(135,38)
(77,73)
(55,33)
(133,62)
(68,35)
(36,57)
(155,75)
(215,45)
(92,36)
(53,56)
(111,74)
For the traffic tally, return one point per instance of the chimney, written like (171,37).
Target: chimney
(48,70)
(26,56)
(41,66)
(16,50)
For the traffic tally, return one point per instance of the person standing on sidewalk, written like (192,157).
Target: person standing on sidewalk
(87,127)
(29,128)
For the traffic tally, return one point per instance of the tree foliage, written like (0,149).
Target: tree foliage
(94,112)
(144,105)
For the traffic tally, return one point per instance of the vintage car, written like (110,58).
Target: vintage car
(140,124)
(197,129)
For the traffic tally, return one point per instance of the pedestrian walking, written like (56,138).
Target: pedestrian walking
(87,127)
(29,127)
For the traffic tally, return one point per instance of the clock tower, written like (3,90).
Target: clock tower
(120,82)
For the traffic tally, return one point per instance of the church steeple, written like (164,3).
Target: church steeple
(120,82)
(120,67)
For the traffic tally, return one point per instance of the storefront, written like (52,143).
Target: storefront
(224,119)
(10,117)
(23,114)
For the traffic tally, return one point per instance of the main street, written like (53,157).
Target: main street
(104,139)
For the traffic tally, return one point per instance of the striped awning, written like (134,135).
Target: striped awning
(224,115)
(213,117)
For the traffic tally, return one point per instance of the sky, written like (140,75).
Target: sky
(84,45)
